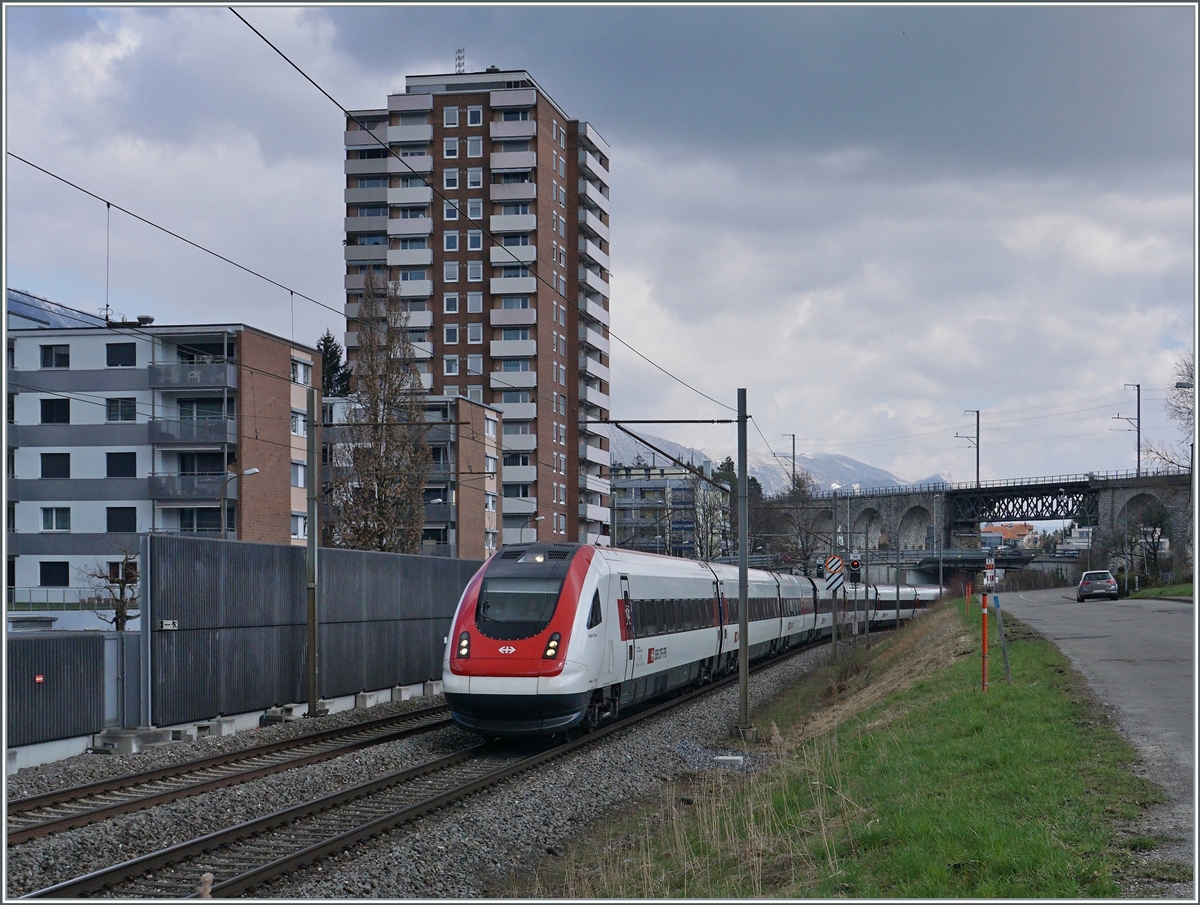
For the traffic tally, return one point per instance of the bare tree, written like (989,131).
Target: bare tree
(381,463)
(710,515)
(1180,404)
(116,586)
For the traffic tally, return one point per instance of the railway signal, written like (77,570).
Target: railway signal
(855,571)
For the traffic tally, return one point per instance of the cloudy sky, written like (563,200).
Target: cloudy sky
(872,218)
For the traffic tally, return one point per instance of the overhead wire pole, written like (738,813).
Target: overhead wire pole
(1137,424)
(744,727)
(975,441)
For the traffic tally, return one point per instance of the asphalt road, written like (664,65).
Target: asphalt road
(1138,657)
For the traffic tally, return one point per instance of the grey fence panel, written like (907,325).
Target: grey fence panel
(69,701)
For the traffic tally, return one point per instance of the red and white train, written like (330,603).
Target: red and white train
(550,636)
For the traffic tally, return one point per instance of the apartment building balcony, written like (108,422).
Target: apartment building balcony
(595,539)
(427,381)
(513,348)
(196,375)
(438,512)
(592,396)
(520,505)
(595,484)
(513,191)
(422,350)
(409,135)
(592,250)
(360,138)
(589,163)
(513,317)
(523,128)
(512,98)
(519,474)
(413,226)
(592,280)
(594,454)
(420,320)
(513,285)
(365,253)
(414,289)
(512,254)
(594,309)
(589,192)
(512,161)
(588,134)
(517,411)
(190,487)
(205,431)
(518,443)
(376,195)
(513,223)
(366,224)
(418,194)
(591,513)
(390,166)
(591,366)
(410,257)
(513,380)
(589,221)
(410,103)
(593,338)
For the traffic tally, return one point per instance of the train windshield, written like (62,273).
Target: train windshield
(513,608)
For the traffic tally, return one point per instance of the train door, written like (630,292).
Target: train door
(627,634)
(593,642)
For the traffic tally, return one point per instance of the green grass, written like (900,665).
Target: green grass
(923,786)
(1175,590)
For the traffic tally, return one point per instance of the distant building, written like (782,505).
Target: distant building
(669,510)
(486,206)
(464,508)
(122,429)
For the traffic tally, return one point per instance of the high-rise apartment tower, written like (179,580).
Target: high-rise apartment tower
(487,207)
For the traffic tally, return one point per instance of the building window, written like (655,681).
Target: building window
(56,411)
(515,491)
(299,472)
(475,240)
(475,177)
(489,427)
(56,519)
(56,356)
(514,301)
(475,392)
(301,372)
(450,116)
(299,424)
(299,526)
(450,240)
(474,303)
(450,334)
(514,364)
(475,208)
(54,575)
(121,465)
(450,303)
(450,180)
(12,408)
(122,571)
(122,520)
(450,271)
(514,272)
(450,365)
(489,501)
(511,116)
(414,243)
(474,334)
(489,464)
(450,389)
(414,213)
(474,116)
(449,148)
(475,365)
(450,210)
(121,355)
(372,182)
(475,146)
(489,540)
(56,465)
(474,271)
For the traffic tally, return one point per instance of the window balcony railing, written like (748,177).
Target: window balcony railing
(187,486)
(164,431)
(196,375)
(57,599)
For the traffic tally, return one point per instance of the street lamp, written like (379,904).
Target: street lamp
(527,523)
(225,490)
(658,543)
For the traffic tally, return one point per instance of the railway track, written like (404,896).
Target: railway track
(53,812)
(243,857)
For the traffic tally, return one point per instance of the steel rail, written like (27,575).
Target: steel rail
(368,733)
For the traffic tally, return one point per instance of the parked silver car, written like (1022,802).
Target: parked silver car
(1096,584)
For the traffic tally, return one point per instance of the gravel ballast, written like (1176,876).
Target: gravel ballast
(463,851)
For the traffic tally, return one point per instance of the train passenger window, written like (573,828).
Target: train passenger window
(595,617)
(686,613)
(649,624)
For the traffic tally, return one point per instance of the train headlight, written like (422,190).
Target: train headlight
(552,646)
(464,645)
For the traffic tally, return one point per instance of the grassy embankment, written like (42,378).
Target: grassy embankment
(1175,590)
(894,776)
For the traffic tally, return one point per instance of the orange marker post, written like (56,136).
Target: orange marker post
(983,597)
(967,608)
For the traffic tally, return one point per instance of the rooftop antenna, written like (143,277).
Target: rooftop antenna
(460,61)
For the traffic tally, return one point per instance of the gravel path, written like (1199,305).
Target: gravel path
(464,851)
